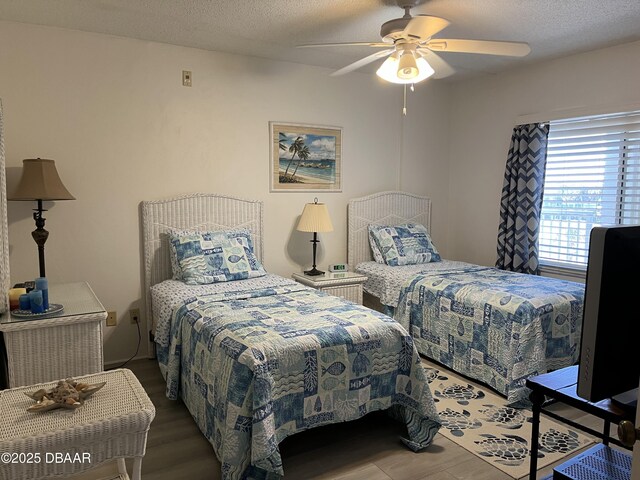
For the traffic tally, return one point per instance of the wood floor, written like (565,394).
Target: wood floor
(367,449)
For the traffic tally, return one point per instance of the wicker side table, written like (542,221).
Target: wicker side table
(113,423)
(70,341)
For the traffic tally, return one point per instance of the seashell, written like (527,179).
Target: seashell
(37,395)
(360,364)
(91,389)
(66,394)
(42,407)
(216,262)
(64,391)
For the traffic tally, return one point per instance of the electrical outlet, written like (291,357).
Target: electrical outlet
(186,78)
(134,314)
(112,319)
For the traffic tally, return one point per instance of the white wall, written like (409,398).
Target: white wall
(484,112)
(424,168)
(114,115)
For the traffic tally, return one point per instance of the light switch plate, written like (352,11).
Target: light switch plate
(186,78)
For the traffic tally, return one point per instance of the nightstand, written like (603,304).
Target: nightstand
(61,345)
(347,285)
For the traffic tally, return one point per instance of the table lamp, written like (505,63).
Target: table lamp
(315,218)
(40,181)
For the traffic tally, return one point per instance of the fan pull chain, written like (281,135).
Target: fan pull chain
(404,99)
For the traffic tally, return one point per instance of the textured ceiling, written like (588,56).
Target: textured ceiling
(272,28)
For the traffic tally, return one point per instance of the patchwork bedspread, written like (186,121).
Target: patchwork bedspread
(385,281)
(256,367)
(494,326)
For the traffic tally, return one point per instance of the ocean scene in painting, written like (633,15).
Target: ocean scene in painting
(307,158)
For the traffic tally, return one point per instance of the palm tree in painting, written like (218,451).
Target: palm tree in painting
(303,154)
(282,138)
(295,147)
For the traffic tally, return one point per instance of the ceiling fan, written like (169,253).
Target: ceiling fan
(410,48)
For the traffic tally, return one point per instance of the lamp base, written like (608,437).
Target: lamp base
(313,272)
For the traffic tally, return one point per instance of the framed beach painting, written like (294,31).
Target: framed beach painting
(305,157)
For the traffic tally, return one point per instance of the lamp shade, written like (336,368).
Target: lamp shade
(315,218)
(40,181)
(392,67)
(407,67)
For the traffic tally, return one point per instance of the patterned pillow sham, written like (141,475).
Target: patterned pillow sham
(241,234)
(200,258)
(375,250)
(408,244)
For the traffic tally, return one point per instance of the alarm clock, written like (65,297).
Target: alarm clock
(338,267)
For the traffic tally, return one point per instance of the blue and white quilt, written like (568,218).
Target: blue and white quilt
(255,367)
(385,282)
(494,326)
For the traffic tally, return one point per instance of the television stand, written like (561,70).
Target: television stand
(561,385)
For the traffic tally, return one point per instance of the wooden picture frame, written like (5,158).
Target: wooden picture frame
(305,158)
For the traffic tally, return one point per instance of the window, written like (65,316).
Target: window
(592,178)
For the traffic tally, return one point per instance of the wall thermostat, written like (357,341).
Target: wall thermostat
(338,267)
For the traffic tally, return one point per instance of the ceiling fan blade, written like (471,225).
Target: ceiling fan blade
(442,68)
(348,44)
(362,62)
(423,27)
(487,47)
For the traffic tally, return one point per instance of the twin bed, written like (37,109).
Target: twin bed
(491,325)
(259,359)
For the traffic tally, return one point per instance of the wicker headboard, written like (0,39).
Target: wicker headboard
(198,211)
(384,208)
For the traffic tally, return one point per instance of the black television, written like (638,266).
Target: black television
(609,365)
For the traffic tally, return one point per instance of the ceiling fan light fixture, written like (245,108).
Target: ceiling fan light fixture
(407,67)
(389,70)
(408,38)
(425,70)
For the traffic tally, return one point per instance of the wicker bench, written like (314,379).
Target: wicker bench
(112,424)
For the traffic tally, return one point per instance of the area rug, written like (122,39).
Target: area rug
(480,421)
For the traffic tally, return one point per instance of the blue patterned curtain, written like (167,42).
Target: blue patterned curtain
(521,200)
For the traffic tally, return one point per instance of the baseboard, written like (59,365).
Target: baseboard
(116,363)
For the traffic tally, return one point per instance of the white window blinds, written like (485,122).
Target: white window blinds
(592,178)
